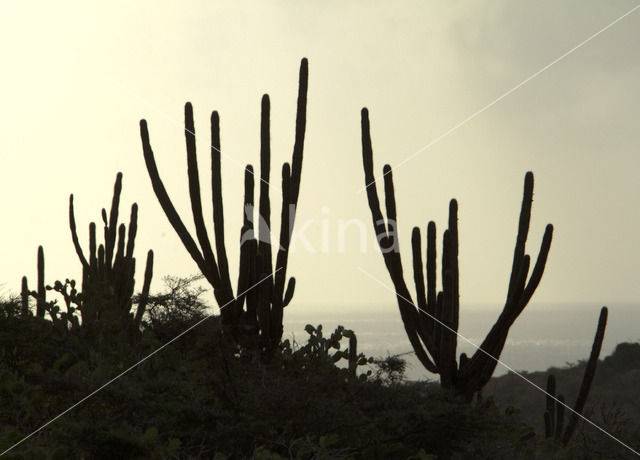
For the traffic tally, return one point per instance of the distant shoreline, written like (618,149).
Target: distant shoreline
(544,336)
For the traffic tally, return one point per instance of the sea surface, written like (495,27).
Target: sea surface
(544,335)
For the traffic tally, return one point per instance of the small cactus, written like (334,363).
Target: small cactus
(554,415)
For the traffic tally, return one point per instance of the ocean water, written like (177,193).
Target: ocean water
(544,335)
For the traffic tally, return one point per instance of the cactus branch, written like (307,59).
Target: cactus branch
(589,374)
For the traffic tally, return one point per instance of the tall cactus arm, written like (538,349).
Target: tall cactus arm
(267,315)
(264,209)
(432,293)
(112,227)
(523,231)
(301,122)
(285,235)
(247,257)
(425,316)
(479,368)
(74,234)
(144,295)
(589,374)
(449,313)
(369,178)
(496,339)
(93,260)
(418,274)
(24,297)
(194,194)
(453,268)
(288,295)
(216,193)
(291,176)
(248,214)
(450,277)
(119,258)
(390,200)
(133,230)
(538,269)
(392,259)
(170,210)
(42,293)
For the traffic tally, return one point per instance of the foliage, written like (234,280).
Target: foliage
(390,370)
(199,398)
(179,307)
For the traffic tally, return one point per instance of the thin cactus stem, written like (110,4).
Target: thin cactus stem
(264,222)
(144,296)
(194,194)
(291,177)
(133,229)
(42,293)
(285,223)
(110,227)
(169,209)
(216,189)
(74,234)
(391,258)
(550,413)
(24,297)
(589,374)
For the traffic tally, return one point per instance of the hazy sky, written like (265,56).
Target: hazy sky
(78,78)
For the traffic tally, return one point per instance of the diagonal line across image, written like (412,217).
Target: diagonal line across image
(504,95)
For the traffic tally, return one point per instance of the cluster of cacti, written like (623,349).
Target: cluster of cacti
(351,354)
(554,415)
(319,348)
(432,323)
(107,277)
(259,284)
(64,320)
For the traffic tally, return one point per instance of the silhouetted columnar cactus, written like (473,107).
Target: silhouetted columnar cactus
(258,283)
(108,275)
(554,415)
(41,294)
(62,320)
(432,323)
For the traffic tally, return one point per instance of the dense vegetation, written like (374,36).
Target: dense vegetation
(204,397)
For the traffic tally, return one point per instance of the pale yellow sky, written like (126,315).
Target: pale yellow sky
(77,78)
